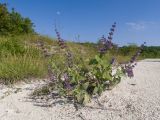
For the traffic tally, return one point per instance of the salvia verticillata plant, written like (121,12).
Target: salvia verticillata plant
(64,76)
(79,82)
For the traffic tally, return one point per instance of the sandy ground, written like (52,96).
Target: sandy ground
(132,99)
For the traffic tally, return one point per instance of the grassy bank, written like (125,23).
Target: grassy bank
(20,56)
(19,60)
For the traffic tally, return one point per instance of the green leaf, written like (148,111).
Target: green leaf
(93,84)
(98,58)
(95,90)
(107,76)
(86,98)
(85,85)
(100,89)
(93,62)
(79,97)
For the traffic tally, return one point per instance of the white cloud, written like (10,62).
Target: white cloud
(139,25)
(136,26)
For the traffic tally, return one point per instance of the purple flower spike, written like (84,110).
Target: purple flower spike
(61,42)
(63,45)
(111,33)
(110,38)
(112,29)
(134,57)
(107,43)
(128,69)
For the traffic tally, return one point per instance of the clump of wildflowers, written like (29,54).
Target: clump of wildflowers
(80,82)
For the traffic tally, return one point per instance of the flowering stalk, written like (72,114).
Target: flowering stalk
(134,57)
(128,68)
(61,42)
(63,45)
(107,42)
(69,59)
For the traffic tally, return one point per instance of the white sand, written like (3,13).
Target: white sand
(124,102)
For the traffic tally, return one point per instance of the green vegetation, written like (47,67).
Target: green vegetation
(148,51)
(151,52)
(12,23)
(19,60)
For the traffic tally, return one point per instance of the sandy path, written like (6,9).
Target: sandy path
(124,102)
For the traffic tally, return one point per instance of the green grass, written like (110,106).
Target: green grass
(15,68)
(19,60)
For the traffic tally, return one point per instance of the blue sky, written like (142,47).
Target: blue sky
(137,20)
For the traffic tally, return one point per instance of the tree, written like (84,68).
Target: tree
(12,23)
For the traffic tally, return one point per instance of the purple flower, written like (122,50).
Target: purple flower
(109,37)
(114,25)
(111,33)
(129,71)
(66,81)
(112,29)
(108,44)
